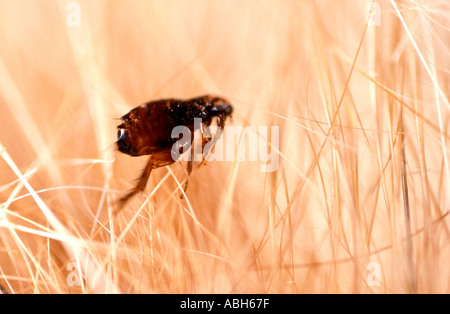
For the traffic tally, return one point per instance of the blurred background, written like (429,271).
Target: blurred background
(360,200)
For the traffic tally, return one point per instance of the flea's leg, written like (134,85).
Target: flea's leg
(209,138)
(206,138)
(190,163)
(140,186)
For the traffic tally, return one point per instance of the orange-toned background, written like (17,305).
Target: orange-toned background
(363,111)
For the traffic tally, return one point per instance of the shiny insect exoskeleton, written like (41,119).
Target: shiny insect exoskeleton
(147,130)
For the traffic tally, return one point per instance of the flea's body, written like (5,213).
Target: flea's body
(147,129)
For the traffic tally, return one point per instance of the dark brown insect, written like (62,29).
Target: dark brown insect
(147,130)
